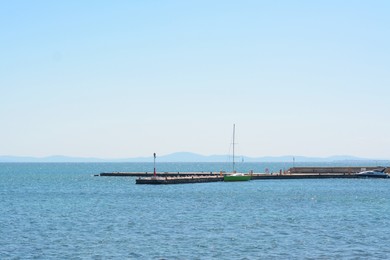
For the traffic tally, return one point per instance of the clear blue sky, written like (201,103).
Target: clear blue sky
(128,78)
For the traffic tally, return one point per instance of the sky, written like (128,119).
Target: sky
(119,79)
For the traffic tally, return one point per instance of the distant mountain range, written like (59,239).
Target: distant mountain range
(186,157)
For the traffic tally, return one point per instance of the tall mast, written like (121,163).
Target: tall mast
(234,130)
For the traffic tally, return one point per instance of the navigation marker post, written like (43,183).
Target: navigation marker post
(154,164)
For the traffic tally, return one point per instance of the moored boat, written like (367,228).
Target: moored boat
(236,176)
(374,174)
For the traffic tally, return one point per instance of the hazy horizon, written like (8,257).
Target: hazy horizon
(127,79)
(193,157)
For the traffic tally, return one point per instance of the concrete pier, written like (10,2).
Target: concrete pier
(332,170)
(308,176)
(178,180)
(158,174)
(292,173)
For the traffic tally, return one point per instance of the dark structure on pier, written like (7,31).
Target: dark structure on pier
(178,180)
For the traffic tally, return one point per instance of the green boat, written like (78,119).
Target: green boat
(237,177)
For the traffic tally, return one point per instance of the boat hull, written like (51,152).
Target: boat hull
(236,178)
(373,174)
(383,176)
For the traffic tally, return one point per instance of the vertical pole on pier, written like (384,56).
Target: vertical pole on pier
(234,132)
(154,164)
(294,161)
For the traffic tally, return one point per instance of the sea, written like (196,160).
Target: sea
(64,211)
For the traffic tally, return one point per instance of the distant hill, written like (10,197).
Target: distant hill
(186,157)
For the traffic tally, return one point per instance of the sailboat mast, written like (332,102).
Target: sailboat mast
(234,132)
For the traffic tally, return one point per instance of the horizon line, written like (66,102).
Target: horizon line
(187,157)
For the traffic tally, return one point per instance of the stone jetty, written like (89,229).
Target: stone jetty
(292,173)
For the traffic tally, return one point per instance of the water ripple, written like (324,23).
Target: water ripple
(50,211)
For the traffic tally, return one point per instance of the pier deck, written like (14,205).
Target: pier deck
(158,174)
(292,173)
(178,180)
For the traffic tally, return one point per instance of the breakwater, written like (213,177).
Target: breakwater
(299,172)
(333,170)
(292,173)
(158,174)
(178,180)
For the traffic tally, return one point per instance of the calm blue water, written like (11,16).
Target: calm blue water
(63,211)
